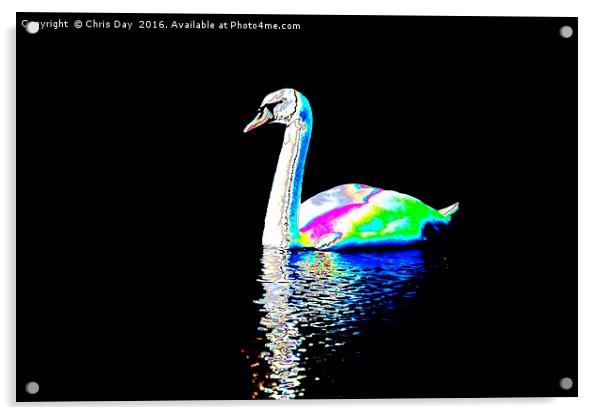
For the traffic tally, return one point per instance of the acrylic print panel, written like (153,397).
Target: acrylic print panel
(273,207)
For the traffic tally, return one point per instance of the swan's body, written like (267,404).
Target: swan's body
(356,215)
(346,216)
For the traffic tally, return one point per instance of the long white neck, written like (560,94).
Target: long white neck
(281,228)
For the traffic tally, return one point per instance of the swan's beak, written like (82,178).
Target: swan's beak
(263,117)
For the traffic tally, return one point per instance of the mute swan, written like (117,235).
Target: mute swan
(346,216)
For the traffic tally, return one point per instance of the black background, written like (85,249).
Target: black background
(141,202)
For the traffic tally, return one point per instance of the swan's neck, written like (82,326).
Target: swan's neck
(281,228)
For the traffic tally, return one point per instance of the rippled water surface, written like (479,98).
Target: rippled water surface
(317,309)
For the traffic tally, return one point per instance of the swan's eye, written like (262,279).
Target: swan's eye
(269,106)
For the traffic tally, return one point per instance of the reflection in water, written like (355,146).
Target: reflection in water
(314,305)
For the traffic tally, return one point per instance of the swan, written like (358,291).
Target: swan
(347,216)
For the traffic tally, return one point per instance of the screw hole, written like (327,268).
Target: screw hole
(32,27)
(566,383)
(32,388)
(566,31)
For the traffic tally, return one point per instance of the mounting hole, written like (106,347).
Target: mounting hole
(32,388)
(566,31)
(32,27)
(566,383)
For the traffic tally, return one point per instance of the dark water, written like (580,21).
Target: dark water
(318,310)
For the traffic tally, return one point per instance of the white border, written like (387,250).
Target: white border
(590,202)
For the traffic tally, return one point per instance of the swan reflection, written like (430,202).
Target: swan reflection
(315,303)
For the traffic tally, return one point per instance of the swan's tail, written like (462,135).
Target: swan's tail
(450,210)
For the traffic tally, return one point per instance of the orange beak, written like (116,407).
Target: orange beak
(261,119)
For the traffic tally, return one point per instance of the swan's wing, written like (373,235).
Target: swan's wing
(337,197)
(358,215)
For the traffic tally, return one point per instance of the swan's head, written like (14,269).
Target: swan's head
(281,107)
